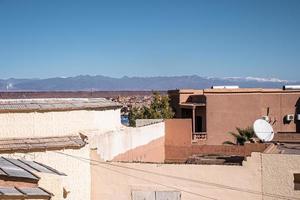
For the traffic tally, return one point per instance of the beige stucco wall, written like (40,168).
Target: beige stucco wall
(78,179)
(277,175)
(119,179)
(113,143)
(196,182)
(53,183)
(44,124)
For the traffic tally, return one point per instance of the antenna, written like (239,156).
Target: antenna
(263,130)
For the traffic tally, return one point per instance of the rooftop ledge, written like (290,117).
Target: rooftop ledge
(56,104)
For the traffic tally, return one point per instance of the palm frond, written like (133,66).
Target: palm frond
(229,143)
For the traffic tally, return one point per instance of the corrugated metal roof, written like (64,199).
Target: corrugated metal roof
(24,170)
(41,144)
(24,193)
(56,104)
(34,191)
(10,191)
(12,170)
(36,166)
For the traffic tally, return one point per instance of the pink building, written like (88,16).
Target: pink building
(215,112)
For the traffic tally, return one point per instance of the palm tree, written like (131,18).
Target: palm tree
(243,136)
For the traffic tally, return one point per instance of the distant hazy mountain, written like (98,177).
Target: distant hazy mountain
(136,83)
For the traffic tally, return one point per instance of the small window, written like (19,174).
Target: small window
(167,195)
(296,181)
(155,195)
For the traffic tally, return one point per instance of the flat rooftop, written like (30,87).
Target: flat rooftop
(56,104)
(238,90)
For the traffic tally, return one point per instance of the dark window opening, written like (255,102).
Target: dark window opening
(198,124)
(186,113)
(296,181)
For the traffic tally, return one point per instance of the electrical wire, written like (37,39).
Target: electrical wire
(180,178)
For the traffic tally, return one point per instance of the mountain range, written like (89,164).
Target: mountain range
(104,83)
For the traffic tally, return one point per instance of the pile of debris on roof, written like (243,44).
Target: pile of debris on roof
(215,160)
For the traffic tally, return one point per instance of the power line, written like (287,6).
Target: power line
(136,177)
(182,178)
(150,181)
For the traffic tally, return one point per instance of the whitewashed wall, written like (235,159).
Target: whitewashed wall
(44,124)
(78,179)
(113,143)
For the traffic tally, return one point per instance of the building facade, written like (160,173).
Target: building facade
(215,112)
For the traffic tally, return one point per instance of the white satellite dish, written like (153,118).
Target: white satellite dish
(263,130)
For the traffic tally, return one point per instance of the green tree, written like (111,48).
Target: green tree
(243,136)
(158,109)
(134,114)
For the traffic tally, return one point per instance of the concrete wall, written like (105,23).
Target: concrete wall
(78,179)
(131,144)
(195,182)
(225,112)
(44,124)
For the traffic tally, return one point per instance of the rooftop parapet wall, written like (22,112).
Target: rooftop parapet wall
(144,144)
(53,124)
(180,154)
(262,176)
(146,122)
(179,146)
(168,141)
(56,104)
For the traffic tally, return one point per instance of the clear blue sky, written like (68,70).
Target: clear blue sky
(222,38)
